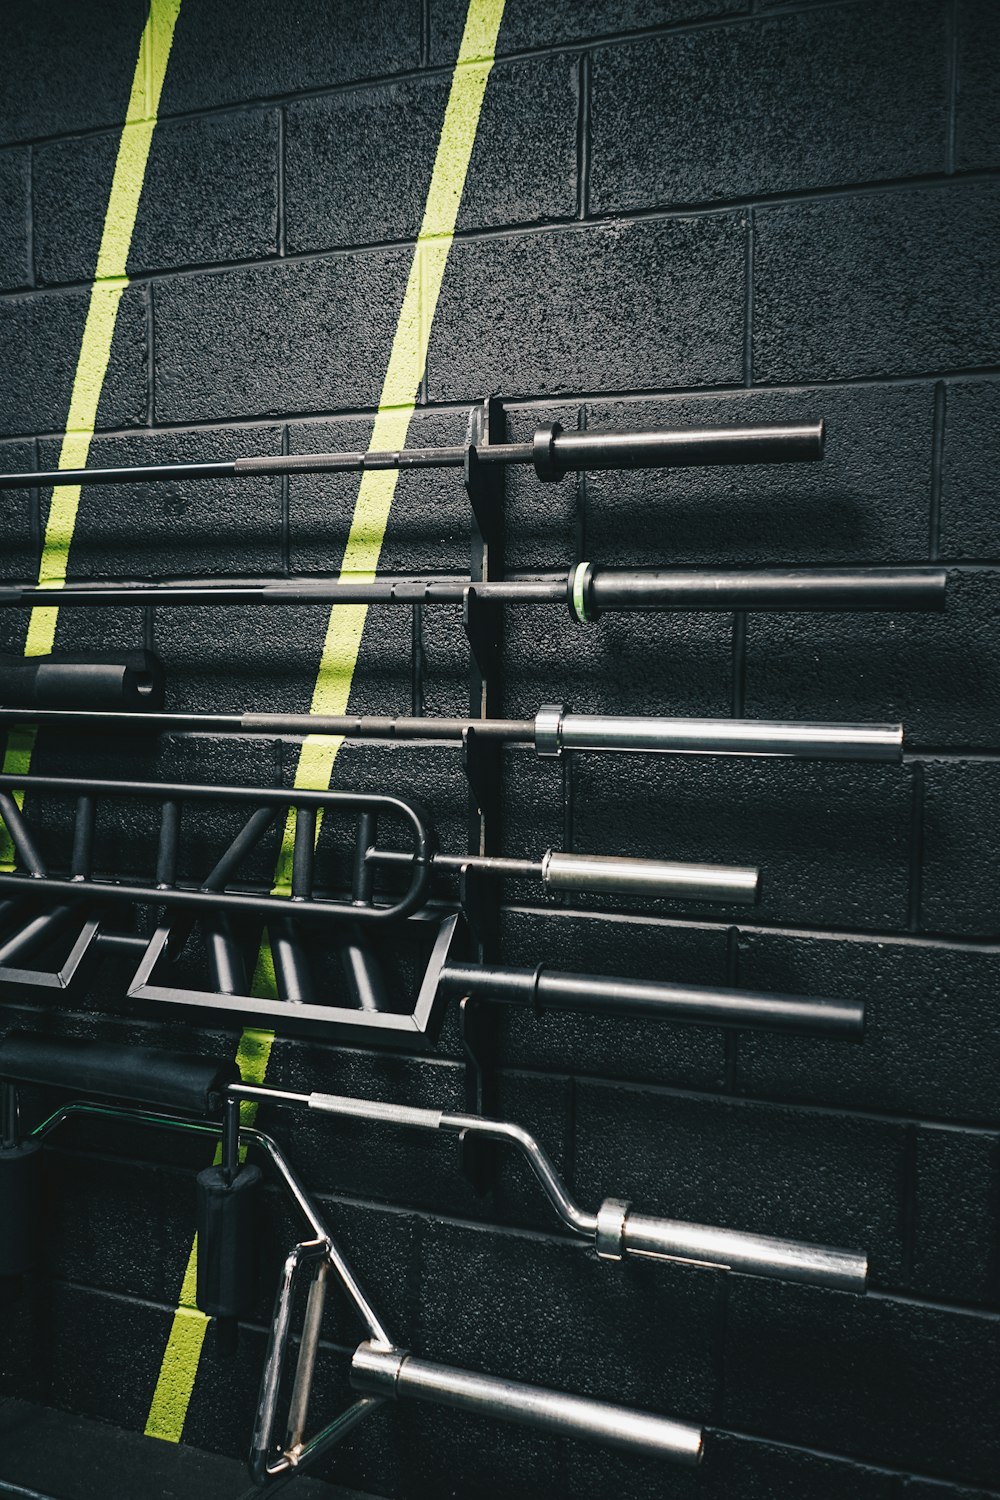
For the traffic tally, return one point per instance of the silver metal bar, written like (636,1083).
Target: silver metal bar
(750,1254)
(878,742)
(395,1372)
(681,880)
(298,1410)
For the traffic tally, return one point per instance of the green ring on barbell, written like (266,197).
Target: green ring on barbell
(579,595)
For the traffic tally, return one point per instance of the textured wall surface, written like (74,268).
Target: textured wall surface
(677,211)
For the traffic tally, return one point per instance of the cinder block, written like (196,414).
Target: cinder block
(69,68)
(620,664)
(930,1046)
(745,102)
(968,524)
(277,339)
(755,1470)
(820,313)
(560,1306)
(901,1385)
(15,207)
(20,543)
(210,194)
(307,44)
(960,834)
(428,524)
(977,126)
(178,528)
(867,500)
(831,839)
(934,673)
(957,1220)
(806,1175)
(41,336)
(358,164)
(636,1049)
(525,26)
(646,304)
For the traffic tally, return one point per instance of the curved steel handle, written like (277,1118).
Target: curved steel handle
(391,1373)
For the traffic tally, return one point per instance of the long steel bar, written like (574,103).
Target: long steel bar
(552,451)
(549,733)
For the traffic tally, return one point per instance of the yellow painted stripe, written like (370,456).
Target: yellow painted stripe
(106,291)
(364,544)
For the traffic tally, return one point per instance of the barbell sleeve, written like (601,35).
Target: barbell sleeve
(596,590)
(556,731)
(608,874)
(618,875)
(101,680)
(392,1373)
(686,1004)
(621,1232)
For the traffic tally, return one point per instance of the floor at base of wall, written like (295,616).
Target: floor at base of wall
(54,1455)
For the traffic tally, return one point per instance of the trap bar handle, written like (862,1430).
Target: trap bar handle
(392,1373)
(552,451)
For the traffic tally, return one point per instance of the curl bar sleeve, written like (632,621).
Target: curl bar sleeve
(170,1080)
(99,680)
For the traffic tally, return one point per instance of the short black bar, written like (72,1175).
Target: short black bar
(552,451)
(777,589)
(688,1004)
(100,680)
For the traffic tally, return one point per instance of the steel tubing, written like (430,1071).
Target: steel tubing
(687,1004)
(751,1254)
(550,732)
(392,1373)
(553,452)
(880,742)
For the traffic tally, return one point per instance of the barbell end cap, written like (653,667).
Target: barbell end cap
(548,729)
(610,1235)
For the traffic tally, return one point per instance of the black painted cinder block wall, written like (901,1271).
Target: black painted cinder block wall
(677,211)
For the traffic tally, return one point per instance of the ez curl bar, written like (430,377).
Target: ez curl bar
(228,1200)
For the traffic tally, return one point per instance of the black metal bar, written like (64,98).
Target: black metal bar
(553,452)
(791,589)
(83,836)
(704,1006)
(590,590)
(20,834)
(166,850)
(509,731)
